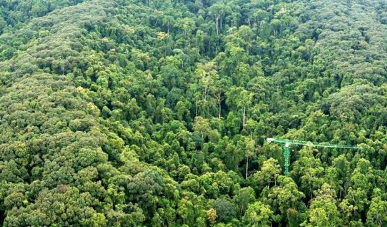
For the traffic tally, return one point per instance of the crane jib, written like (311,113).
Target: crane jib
(310,144)
(287,143)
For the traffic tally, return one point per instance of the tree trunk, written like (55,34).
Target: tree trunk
(205,93)
(217,25)
(244,117)
(247,166)
(219,105)
(196,107)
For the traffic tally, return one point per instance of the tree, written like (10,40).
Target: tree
(362,179)
(378,207)
(243,198)
(323,210)
(217,11)
(310,171)
(202,126)
(224,210)
(258,215)
(288,199)
(241,99)
(268,174)
(211,213)
(250,151)
(207,78)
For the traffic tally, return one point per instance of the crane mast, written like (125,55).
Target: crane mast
(287,143)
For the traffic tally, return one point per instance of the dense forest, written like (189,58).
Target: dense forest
(156,112)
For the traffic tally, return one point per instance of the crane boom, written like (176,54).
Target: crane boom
(287,143)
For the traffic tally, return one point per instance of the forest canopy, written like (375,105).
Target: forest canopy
(156,112)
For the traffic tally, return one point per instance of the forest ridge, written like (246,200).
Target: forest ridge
(156,113)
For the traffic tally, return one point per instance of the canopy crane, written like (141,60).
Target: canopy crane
(287,143)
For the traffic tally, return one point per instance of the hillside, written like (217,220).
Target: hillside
(156,112)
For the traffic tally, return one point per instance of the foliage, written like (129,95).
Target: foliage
(156,112)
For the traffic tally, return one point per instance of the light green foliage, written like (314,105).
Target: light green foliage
(156,112)
(243,198)
(258,214)
(378,207)
(268,174)
(323,210)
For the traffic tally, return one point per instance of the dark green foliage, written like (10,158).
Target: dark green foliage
(156,112)
(224,210)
